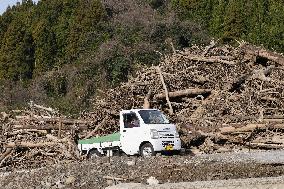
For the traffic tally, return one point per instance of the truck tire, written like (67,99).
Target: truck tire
(94,153)
(147,150)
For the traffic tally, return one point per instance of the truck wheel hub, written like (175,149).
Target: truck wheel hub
(147,151)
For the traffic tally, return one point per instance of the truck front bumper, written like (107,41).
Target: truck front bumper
(166,144)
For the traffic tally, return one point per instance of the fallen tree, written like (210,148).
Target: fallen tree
(259,52)
(182,93)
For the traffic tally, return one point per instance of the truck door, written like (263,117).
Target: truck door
(129,129)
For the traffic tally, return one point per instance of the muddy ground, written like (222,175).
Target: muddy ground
(103,172)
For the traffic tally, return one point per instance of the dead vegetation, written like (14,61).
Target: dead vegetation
(226,96)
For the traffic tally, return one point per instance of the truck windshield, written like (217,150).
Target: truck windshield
(153,117)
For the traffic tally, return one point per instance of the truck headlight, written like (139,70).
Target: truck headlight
(176,135)
(154,134)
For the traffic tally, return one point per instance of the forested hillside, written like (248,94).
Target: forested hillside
(63,52)
(257,21)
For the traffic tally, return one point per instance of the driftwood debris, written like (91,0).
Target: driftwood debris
(265,146)
(260,74)
(29,144)
(147,103)
(222,97)
(4,155)
(96,128)
(215,59)
(259,52)
(181,93)
(38,134)
(208,88)
(250,127)
(166,89)
(253,135)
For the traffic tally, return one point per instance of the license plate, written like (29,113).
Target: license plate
(169,147)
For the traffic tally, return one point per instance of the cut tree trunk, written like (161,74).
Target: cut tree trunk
(54,120)
(29,144)
(147,104)
(166,90)
(260,52)
(5,155)
(49,127)
(265,146)
(184,93)
(209,59)
(249,128)
(255,74)
(96,128)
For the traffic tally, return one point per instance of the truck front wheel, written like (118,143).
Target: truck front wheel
(147,150)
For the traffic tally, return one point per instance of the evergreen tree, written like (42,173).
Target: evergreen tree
(83,27)
(257,16)
(45,46)
(274,26)
(217,20)
(62,29)
(234,22)
(5,20)
(17,53)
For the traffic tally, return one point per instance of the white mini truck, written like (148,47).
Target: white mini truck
(142,132)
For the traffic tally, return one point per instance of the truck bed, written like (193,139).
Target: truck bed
(108,138)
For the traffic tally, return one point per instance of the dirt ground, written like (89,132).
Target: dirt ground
(252,183)
(104,172)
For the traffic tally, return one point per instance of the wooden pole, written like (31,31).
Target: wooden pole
(90,134)
(166,89)
(59,129)
(147,104)
(184,93)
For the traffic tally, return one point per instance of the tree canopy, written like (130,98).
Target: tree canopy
(260,22)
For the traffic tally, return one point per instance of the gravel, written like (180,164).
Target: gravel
(265,157)
(101,172)
(253,183)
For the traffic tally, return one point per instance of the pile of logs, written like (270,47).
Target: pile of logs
(38,136)
(202,89)
(225,96)
(264,136)
(208,86)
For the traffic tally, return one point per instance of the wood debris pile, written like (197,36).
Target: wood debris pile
(202,89)
(38,136)
(226,96)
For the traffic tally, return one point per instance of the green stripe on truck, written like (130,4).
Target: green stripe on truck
(108,138)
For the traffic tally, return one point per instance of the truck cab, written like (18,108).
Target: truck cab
(142,132)
(147,131)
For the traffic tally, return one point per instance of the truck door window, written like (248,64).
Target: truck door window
(130,120)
